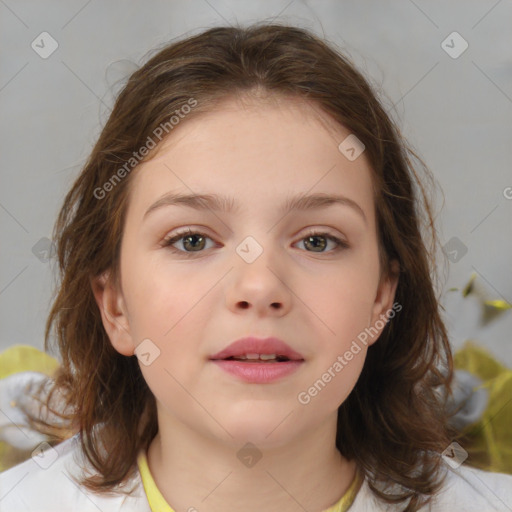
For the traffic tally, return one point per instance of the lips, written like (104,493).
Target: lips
(251,349)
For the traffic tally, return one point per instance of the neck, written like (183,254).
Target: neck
(193,471)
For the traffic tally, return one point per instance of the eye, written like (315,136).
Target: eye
(317,241)
(193,241)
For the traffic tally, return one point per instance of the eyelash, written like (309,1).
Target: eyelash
(169,241)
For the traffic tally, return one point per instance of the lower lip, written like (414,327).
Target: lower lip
(259,373)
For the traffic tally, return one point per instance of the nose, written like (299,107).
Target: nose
(260,285)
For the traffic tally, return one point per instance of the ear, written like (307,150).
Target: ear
(384,298)
(113,311)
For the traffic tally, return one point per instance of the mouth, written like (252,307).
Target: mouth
(258,361)
(252,350)
(258,358)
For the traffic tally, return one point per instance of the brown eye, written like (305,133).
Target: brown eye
(316,243)
(194,242)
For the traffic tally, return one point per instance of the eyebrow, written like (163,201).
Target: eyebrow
(228,204)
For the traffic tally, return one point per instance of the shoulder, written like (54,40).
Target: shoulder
(48,481)
(464,489)
(470,489)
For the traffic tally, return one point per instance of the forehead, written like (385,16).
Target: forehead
(256,150)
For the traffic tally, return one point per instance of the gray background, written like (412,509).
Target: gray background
(455,112)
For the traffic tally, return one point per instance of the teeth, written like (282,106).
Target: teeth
(263,357)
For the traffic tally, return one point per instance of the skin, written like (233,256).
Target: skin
(260,152)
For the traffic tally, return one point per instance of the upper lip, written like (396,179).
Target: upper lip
(253,345)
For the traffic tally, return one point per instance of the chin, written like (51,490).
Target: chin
(268,431)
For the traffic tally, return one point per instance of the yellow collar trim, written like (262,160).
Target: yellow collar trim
(157,502)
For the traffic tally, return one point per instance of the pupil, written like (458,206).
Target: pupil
(322,244)
(187,239)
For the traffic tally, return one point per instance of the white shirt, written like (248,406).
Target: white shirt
(46,486)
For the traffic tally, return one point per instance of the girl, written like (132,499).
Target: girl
(246,316)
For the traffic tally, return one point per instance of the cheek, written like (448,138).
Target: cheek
(344,303)
(158,294)
(344,299)
(167,306)
(340,345)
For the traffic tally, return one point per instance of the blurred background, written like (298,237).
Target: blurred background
(443,71)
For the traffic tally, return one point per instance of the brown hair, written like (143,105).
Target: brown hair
(394,421)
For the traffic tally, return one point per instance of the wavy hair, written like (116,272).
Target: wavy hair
(394,423)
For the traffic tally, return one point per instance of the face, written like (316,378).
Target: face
(309,277)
